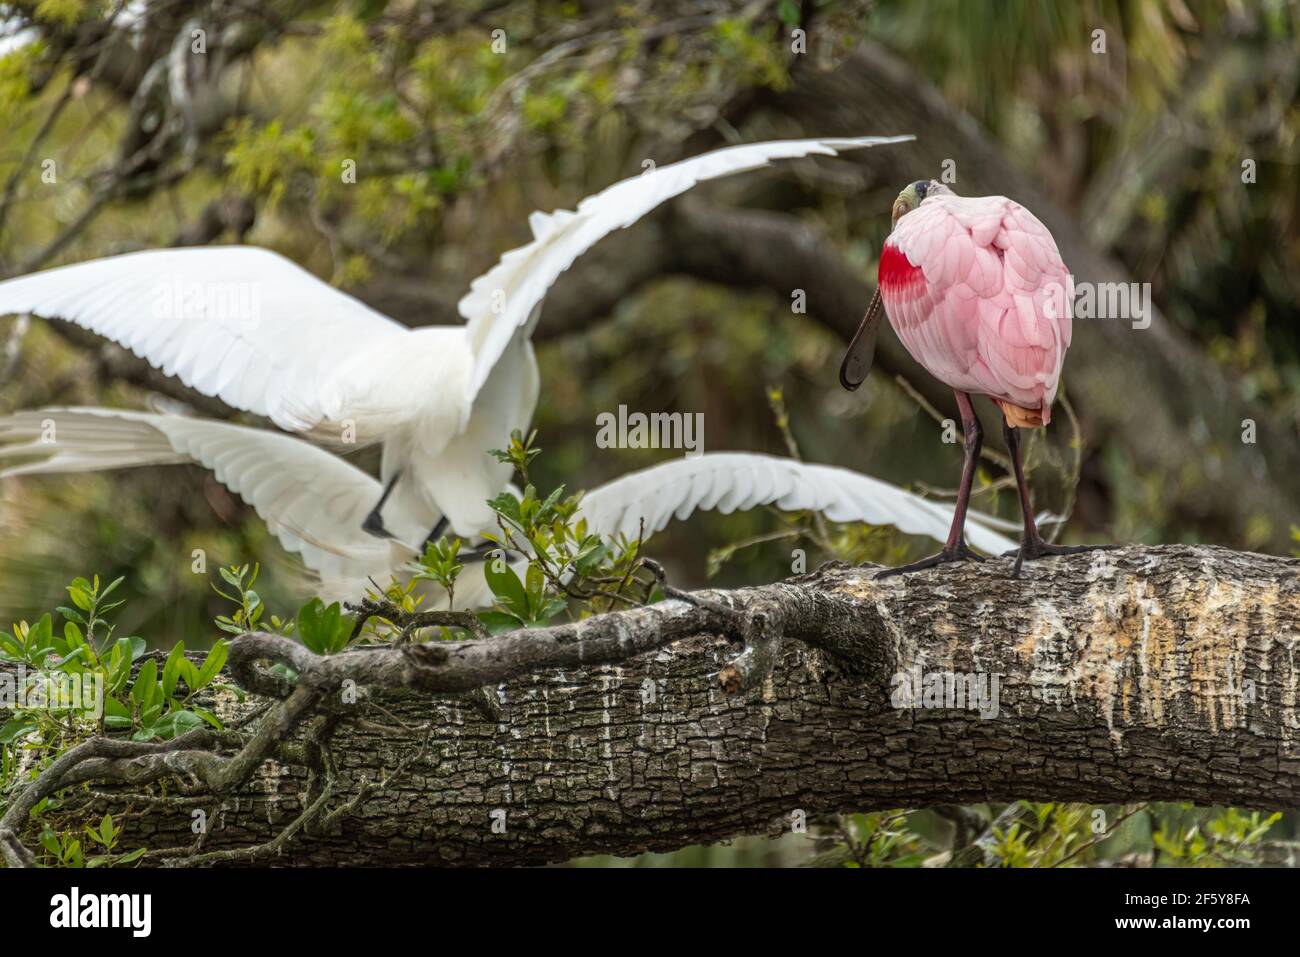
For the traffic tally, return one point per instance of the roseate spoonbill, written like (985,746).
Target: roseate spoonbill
(313,501)
(976,291)
(318,362)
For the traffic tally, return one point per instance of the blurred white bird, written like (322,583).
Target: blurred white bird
(313,501)
(250,327)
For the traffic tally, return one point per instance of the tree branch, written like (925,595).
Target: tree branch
(1163,673)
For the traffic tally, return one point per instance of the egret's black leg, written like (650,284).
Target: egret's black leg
(435,533)
(955,549)
(374,523)
(481,553)
(1033,545)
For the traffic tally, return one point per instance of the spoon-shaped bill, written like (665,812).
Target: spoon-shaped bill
(862,350)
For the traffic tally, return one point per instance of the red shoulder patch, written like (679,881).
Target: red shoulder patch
(896,273)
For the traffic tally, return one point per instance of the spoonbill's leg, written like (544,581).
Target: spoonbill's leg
(374,523)
(1033,545)
(955,549)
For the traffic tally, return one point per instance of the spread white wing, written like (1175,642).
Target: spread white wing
(501,301)
(312,501)
(262,334)
(315,503)
(243,324)
(735,481)
(728,481)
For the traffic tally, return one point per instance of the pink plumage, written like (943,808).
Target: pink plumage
(976,291)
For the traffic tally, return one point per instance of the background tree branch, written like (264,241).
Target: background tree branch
(1151,394)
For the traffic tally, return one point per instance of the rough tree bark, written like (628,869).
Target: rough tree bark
(1128,675)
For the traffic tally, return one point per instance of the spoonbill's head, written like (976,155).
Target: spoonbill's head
(913,196)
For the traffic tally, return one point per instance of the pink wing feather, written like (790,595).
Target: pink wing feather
(977,293)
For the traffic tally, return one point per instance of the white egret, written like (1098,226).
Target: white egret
(312,501)
(250,327)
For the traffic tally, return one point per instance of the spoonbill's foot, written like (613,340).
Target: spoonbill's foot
(959,554)
(1031,549)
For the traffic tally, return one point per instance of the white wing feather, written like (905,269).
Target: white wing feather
(262,334)
(237,322)
(728,481)
(312,501)
(501,300)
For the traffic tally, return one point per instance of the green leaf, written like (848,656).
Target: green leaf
(552,608)
(212,664)
(189,674)
(284,671)
(174,723)
(146,684)
(15,728)
(309,627)
(71,614)
(500,621)
(505,585)
(172,669)
(70,662)
(507,506)
(323,630)
(591,553)
(535,587)
(209,717)
(330,623)
(73,635)
(544,510)
(81,598)
(40,639)
(11,646)
(50,841)
(119,665)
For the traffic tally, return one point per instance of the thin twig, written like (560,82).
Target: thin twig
(997,458)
